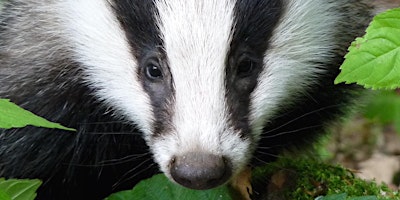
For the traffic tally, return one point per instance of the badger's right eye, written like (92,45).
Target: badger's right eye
(153,72)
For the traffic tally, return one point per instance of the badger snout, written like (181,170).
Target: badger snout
(200,171)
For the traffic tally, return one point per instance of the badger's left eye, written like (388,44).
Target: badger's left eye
(153,71)
(245,68)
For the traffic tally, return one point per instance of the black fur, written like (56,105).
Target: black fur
(303,122)
(255,21)
(137,18)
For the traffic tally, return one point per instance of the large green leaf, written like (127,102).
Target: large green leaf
(12,116)
(374,60)
(160,188)
(13,189)
(4,195)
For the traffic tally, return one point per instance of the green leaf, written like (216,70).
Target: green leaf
(4,195)
(19,189)
(374,60)
(12,116)
(159,187)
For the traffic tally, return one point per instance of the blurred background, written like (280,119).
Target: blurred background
(368,142)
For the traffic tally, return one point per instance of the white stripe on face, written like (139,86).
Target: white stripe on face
(303,38)
(197,38)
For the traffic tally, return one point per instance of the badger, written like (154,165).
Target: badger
(196,89)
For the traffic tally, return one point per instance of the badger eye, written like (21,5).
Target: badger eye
(245,68)
(153,71)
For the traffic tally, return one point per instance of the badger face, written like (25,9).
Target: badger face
(213,59)
(200,79)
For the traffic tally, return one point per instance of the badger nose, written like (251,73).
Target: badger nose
(200,171)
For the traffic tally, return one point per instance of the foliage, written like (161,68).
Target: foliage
(12,116)
(373,61)
(309,179)
(339,184)
(13,189)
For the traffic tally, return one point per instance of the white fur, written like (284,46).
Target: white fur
(197,36)
(100,45)
(304,33)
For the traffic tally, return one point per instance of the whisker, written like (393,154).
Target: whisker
(112,162)
(269,147)
(263,161)
(113,133)
(123,159)
(126,177)
(302,116)
(269,154)
(105,122)
(288,132)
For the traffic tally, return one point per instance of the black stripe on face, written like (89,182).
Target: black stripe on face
(138,20)
(255,21)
